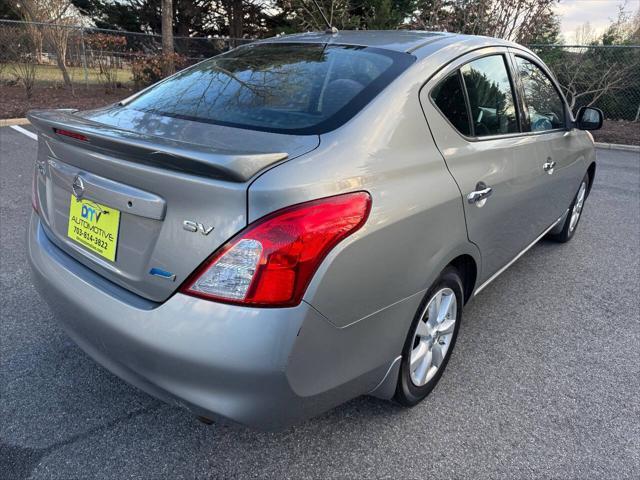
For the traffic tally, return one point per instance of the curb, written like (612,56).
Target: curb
(7,122)
(617,146)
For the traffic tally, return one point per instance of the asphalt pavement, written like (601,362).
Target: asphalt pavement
(544,381)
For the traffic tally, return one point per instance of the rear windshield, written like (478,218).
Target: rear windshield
(286,88)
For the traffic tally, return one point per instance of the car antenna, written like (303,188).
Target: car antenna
(330,28)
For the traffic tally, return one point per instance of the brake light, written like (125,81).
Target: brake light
(272,261)
(68,133)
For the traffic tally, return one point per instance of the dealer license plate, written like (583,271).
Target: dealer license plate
(94,226)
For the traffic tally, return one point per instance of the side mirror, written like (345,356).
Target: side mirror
(589,118)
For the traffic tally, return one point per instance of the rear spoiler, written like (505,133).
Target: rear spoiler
(236,166)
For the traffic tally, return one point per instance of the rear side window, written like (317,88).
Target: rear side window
(545,107)
(279,87)
(491,98)
(489,107)
(449,98)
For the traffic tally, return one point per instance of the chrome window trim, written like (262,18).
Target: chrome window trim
(514,91)
(457,63)
(547,72)
(522,52)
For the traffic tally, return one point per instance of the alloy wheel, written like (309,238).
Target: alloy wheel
(433,336)
(577,207)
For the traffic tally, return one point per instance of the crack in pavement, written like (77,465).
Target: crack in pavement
(22,461)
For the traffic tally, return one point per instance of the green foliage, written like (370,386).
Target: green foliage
(625,30)
(547,31)
(382,14)
(7,12)
(127,16)
(346,14)
(526,21)
(191,17)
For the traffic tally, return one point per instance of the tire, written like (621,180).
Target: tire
(575,214)
(414,386)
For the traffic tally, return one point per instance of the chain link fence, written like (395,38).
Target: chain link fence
(35,55)
(605,76)
(50,54)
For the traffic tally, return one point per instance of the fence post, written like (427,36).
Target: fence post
(84,60)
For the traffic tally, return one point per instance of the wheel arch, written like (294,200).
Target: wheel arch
(591,171)
(467,266)
(468,269)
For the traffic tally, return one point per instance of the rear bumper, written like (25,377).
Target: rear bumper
(266,368)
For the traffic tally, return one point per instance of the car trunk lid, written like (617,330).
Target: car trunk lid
(177,186)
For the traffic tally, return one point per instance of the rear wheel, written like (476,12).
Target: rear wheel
(431,338)
(575,213)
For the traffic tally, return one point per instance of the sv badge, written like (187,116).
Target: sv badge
(190,226)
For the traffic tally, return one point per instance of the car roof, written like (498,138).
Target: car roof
(398,40)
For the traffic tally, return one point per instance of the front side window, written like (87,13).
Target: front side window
(279,87)
(449,98)
(491,98)
(545,107)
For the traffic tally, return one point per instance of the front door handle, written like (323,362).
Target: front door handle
(548,166)
(479,195)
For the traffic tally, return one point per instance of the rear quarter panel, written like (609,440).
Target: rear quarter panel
(416,225)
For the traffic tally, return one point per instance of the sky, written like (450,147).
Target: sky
(574,13)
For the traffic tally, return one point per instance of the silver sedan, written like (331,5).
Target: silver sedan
(301,220)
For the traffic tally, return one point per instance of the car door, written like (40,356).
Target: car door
(474,116)
(546,116)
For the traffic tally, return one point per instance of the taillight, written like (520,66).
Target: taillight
(271,262)
(70,134)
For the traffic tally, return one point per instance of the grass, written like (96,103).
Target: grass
(51,74)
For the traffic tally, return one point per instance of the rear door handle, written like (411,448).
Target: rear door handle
(548,166)
(480,194)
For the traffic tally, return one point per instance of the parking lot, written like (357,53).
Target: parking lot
(544,381)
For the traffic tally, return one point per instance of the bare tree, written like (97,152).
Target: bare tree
(585,34)
(167,37)
(338,13)
(105,48)
(37,40)
(238,16)
(7,38)
(519,20)
(235,14)
(20,52)
(59,15)
(587,74)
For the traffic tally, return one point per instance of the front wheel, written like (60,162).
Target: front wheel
(431,339)
(575,212)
